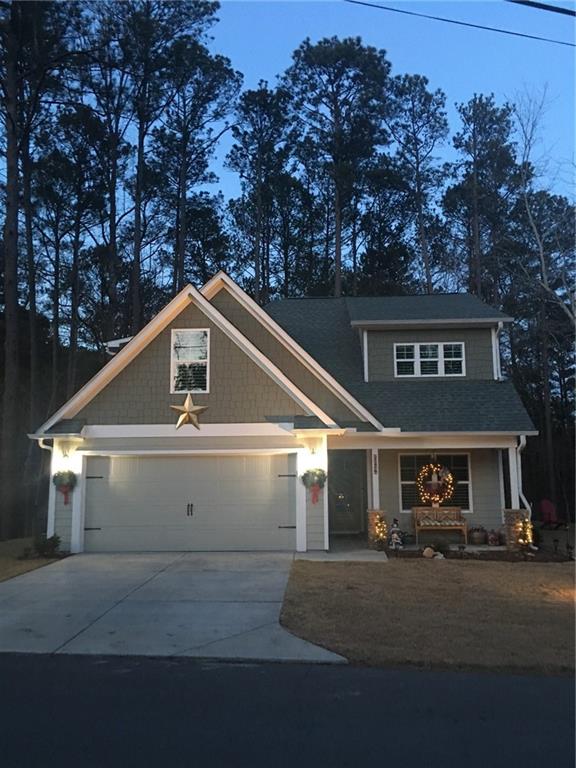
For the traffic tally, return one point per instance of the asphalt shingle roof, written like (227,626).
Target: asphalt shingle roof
(441,306)
(323,328)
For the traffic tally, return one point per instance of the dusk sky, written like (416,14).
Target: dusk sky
(260,36)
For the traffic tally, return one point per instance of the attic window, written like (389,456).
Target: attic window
(436,359)
(189,360)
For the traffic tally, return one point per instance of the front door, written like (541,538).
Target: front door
(347,491)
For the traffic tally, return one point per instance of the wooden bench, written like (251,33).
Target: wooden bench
(439,519)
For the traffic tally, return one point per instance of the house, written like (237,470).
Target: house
(367,389)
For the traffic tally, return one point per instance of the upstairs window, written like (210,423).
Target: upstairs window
(436,359)
(189,360)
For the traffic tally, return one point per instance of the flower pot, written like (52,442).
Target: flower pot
(477,538)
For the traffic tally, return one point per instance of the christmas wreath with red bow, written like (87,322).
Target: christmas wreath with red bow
(435,483)
(314,479)
(64,482)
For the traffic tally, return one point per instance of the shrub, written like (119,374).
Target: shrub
(46,546)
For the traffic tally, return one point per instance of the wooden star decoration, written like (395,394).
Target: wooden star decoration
(188,412)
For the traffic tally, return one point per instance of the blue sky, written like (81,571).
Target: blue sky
(259,37)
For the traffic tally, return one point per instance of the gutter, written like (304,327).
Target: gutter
(519,448)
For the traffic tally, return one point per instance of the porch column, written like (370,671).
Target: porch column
(78,497)
(375,474)
(513,474)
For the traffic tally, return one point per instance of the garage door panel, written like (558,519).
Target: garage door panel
(239,502)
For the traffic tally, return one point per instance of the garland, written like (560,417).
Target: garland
(435,484)
(314,479)
(64,482)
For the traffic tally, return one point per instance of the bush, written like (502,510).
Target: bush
(46,546)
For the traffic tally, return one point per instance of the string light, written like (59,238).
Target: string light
(524,532)
(380,530)
(435,492)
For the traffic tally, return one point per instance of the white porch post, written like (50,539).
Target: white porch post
(513,473)
(323,462)
(78,497)
(301,465)
(375,474)
(369,478)
(51,522)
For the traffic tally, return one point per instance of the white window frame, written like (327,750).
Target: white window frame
(172,367)
(443,452)
(417,360)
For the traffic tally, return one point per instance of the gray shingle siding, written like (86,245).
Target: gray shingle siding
(477,350)
(323,328)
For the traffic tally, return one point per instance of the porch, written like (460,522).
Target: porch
(487,481)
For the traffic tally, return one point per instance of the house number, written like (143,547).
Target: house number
(189,510)
(375,463)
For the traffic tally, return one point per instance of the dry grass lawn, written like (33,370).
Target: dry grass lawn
(438,614)
(10,565)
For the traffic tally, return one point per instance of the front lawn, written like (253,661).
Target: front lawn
(11,565)
(437,613)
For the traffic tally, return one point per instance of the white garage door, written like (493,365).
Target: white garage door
(190,503)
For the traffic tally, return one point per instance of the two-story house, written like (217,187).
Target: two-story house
(197,432)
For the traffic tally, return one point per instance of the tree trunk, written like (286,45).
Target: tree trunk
(337,242)
(31,263)
(422,233)
(10,398)
(55,317)
(181,227)
(476,273)
(258,245)
(111,268)
(137,260)
(547,405)
(74,299)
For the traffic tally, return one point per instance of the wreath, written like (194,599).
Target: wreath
(435,484)
(314,479)
(64,482)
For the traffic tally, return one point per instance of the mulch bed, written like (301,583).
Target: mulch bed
(502,556)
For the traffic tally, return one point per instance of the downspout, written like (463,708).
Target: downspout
(498,358)
(519,448)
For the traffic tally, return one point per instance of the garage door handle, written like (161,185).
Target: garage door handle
(286,526)
(189,510)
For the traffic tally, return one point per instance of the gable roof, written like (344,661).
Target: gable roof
(136,344)
(310,361)
(323,328)
(438,307)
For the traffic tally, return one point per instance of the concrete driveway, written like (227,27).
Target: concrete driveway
(212,605)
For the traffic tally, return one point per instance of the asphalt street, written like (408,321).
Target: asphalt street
(99,711)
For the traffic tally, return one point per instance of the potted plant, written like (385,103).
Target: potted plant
(477,535)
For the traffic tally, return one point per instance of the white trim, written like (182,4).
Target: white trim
(501,483)
(257,357)
(78,510)
(119,361)
(375,475)
(301,532)
(156,326)
(468,482)
(184,451)
(51,521)
(325,492)
(494,359)
(221,280)
(513,470)
(365,354)
(428,442)
(191,391)
(417,360)
(369,478)
(187,430)
(460,322)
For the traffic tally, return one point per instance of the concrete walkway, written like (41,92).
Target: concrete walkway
(213,605)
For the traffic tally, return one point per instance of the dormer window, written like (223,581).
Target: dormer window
(436,359)
(189,360)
